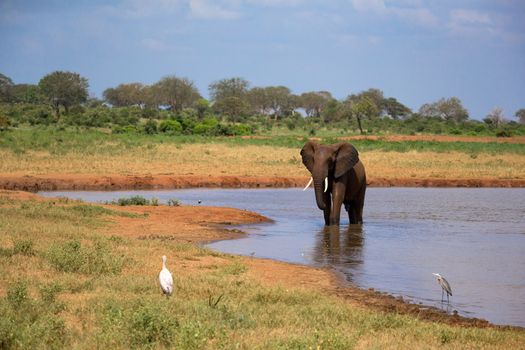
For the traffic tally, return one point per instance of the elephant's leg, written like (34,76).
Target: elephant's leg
(337,201)
(327,210)
(359,204)
(352,214)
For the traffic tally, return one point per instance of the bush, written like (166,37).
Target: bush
(151,325)
(26,323)
(170,127)
(128,129)
(209,126)
(135,200)
(503,133)
(24,247)
(73,257)
(4,122)
(150,127)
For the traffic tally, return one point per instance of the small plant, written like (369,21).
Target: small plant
(24,247)
(172,202)
(135,200)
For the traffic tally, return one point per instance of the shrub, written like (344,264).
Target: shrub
(26,323)
(209,126)
(151,325)
(24,247)
(73,257)
(170,127)
(150,127)
(134,200)
(4,122)
(503,133)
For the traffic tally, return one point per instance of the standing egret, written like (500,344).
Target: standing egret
(165,279)
(445,287)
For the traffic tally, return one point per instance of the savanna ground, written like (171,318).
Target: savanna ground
(82,276)
(74,275)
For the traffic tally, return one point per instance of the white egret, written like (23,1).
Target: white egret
(445,286)
(165,279)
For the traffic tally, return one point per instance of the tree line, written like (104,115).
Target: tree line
(232,100)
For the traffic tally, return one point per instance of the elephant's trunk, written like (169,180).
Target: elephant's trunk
(320,188)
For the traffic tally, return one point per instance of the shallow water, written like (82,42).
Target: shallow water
(473,237)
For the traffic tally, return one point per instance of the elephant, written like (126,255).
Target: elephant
(338,168)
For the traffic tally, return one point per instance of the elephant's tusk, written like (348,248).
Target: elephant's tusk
(309,183)
(325,184)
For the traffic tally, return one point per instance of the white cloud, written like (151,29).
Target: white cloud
(405,10)
(206,9)
(470,17)
(471,23)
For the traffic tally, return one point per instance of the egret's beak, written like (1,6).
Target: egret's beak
(436,274)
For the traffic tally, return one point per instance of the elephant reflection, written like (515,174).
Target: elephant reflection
(339,247)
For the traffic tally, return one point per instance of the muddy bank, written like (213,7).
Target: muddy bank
(66,182)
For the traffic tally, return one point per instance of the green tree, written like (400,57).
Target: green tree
(26,93)
(125,95)
(314,102)
(395,109)
(64,89)
(202,106)
(259,100)
(448,109)
(282,102)
(373,96)
(495,117)
(233,87)
(178,93)
(234,108)
(5,88)
(520,114)
(363,108)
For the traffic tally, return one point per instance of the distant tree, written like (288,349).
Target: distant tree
(395,109)
(520,114)
(26,93)
(234,108)
(233,87)
(448,109)
(5,88)
(202,106)
(363,108)
(334,111)
(314,102)
(372,96)
(282,101)
(259,100)
(178,93)
(495,117)
(64,89)
(125,95)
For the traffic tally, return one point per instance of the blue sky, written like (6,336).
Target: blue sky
(415,50)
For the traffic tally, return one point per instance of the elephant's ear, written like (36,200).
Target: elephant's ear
(308,155)
(347,157)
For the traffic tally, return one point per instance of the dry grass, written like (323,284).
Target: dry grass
(222,159)
(126,310)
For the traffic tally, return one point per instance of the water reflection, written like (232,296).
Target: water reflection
(339,246)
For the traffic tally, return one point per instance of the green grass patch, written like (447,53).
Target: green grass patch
(92,142)
(96,259)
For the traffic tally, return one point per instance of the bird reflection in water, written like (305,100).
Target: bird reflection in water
(340,247)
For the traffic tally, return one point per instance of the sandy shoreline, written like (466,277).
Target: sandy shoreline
(64,182)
